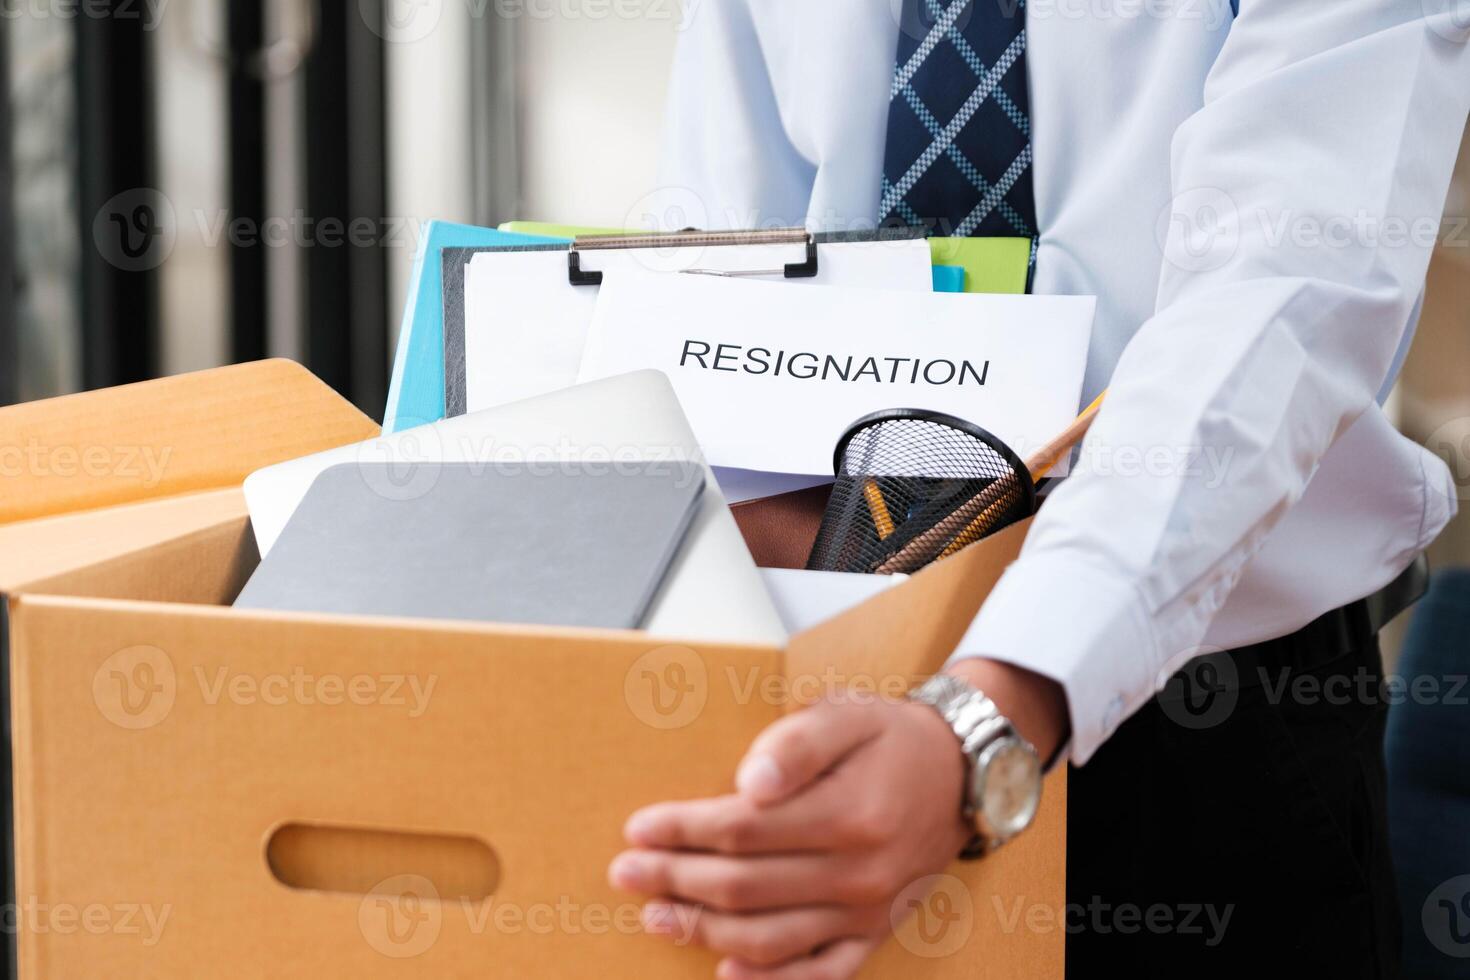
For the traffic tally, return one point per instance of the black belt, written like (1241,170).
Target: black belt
(1325,639)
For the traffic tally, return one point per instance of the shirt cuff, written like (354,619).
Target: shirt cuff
(1065,619)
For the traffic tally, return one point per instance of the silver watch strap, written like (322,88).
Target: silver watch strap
(977,723)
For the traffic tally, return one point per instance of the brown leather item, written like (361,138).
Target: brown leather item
(781,530)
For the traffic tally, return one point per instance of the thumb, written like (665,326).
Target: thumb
(800,748)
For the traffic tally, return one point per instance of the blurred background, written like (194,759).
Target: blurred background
(187,183)
(271,163)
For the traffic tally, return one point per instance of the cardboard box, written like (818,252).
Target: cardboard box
(199,790)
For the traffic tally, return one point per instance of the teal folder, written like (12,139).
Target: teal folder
(416,392)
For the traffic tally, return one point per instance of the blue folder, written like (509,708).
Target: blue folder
(416,392)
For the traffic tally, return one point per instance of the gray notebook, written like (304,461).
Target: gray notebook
(551,543)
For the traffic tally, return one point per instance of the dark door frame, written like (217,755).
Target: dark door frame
(346,196)
(246,178)
(9,329)
(126,225)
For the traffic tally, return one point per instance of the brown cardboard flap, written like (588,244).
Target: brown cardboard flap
(908,632)
(44,555)
(201,431)
(207,565)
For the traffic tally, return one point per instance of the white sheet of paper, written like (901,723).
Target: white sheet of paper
(804,598)
(772,377)
(742,485)
(526,326)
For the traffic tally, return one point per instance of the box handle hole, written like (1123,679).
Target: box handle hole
(327,858)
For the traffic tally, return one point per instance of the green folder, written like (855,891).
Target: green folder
(552,230)
(992,265)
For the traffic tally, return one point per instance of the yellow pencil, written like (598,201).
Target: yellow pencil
(878,507)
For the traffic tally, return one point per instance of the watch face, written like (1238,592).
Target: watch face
(1011,789)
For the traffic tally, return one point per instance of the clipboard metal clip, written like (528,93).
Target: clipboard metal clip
(696,239)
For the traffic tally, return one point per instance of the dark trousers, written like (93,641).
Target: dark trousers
(1237,825)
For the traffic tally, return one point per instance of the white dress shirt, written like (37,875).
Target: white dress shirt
(1254,200)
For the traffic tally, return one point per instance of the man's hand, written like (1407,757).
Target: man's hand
(839,810)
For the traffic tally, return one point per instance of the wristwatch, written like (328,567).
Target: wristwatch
(1003,788)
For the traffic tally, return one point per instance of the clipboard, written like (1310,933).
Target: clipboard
(805,264)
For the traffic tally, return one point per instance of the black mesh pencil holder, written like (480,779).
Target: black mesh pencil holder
(913,487)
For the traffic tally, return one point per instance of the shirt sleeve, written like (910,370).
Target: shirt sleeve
(1308,195)
(728,161)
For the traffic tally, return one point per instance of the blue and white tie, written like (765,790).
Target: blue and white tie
(958,159)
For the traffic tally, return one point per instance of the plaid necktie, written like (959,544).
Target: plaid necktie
(958,160)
